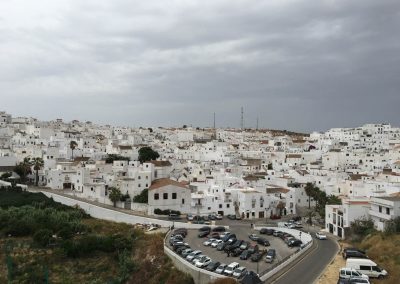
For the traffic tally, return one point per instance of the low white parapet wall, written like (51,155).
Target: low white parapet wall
(118,216)
(200,276)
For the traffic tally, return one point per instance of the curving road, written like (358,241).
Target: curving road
(308,268)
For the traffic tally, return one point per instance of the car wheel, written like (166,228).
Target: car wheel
(380,277)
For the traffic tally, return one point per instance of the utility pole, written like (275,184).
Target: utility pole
(257,123)
(242,119)
(214,120)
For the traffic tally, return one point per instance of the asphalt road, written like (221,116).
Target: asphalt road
(308,269)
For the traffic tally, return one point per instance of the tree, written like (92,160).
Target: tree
(114,157)
(310,191)
(23,169)
(142,197)
(37,163)
(147,154)
(72,146)
(310,214)
(115,195)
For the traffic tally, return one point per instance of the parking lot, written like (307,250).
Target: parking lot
(242,233)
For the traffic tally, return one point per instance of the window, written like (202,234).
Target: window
(165,195)
(156,196)
(183,201)
(388,211)
(174,195)
(227,205)
(209,208)
(220,206)
(365,267)
(380,209)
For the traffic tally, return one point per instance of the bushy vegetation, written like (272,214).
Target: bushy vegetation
(114,157)
(158,211)
(393,226)
(360,228)
(142,197)
(43,241)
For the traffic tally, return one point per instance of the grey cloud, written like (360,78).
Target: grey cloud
(299,65)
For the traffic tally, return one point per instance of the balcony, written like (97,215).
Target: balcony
(380,215)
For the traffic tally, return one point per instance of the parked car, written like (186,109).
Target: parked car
(228,236)
(347,273)
(253,237)
(218,217)
(193,254)
(244,245)
(354,280)
(263,241)
(320,236)
(231,241)
(237,244)
(205,228)
(215,235)
(220,269)
(203,262)
(237,217)
(186,252)
(270,256)
(277,233)
(354,254)
(216,243)
(230,268)
(203,234)
(266,231)
(180,249)
(253,248)
(209,242)
(190,217)
(197,258)
(256,256)
(212,266)
(180,231)
(231,217)
(221,246)
(219,229)
(352,249)
(245,255)
(295,243)
(236,252)
(239,272)
(174,217)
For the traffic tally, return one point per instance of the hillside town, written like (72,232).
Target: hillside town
(247,173)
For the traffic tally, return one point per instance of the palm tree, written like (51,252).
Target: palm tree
(23,169)
(310,191)
(72,146)
(37,163)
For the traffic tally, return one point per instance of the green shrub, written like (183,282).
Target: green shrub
(42,237)
(158,211)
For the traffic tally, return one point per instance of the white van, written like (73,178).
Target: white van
(347,273)
(366,266)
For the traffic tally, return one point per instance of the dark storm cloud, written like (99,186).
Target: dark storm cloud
(299,65)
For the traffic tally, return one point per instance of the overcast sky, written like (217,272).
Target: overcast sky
(297,65)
